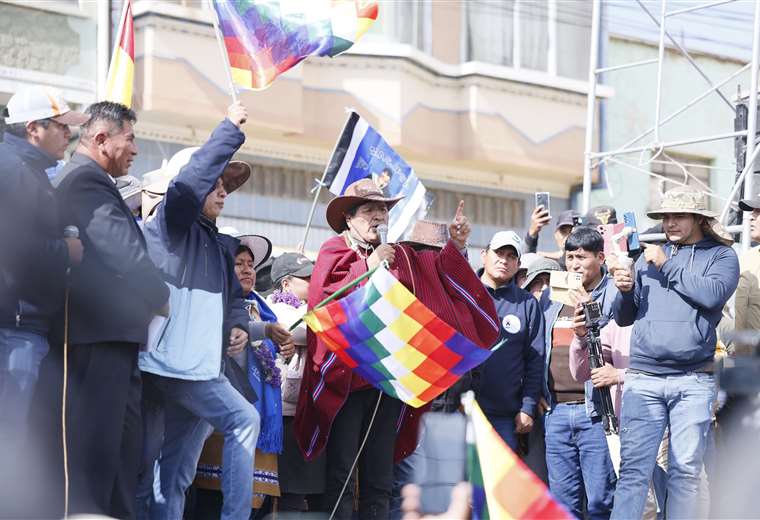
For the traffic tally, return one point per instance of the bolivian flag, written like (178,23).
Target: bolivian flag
(264,38)
(503,488)
(121,73)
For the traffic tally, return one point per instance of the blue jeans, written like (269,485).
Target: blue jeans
(403,474)
(650,403)
(21,353)
(192,411)
(505,427)
(578,461)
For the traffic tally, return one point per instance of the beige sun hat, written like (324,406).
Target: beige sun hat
(684,199)
(156,182)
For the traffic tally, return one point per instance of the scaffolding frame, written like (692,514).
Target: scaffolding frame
(592,159)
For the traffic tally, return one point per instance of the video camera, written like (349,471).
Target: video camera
(593,314)
(592,311)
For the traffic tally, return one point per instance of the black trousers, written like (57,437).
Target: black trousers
(103,430)
(376,461)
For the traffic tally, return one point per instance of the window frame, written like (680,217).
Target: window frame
(552,25)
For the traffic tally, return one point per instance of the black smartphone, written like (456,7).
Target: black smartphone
(443,461)
(542,199)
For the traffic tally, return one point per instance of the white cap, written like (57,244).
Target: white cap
(506,238)
(39,102)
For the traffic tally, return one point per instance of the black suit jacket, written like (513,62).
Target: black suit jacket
(116,290)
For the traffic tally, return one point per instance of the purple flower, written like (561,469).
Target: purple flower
(287,297)
(266,359)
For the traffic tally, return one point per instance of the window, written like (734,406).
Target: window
(550,36)
(696,175)
(490,32)
(405,22)
(481,209)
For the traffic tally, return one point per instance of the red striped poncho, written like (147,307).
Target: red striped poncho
(442,280)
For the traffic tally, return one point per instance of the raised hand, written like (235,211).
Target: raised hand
(538,219)
(459,229)
(237,114)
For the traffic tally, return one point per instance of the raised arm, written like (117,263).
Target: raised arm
(188,190)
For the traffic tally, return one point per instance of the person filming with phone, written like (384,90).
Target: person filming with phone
(577,457)
(674,301)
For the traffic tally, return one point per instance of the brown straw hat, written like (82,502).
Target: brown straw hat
(156,182)
(428,234)
(359,192)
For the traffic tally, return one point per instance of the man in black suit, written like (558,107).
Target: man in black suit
(114,294)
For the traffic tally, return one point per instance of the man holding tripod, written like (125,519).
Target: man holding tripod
(674,302)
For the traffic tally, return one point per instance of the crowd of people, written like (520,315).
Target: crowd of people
(145,372)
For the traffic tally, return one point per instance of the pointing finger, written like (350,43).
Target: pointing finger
(460,210)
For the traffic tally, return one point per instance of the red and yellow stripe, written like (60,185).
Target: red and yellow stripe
(121,72)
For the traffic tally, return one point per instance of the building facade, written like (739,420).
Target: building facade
(486,100)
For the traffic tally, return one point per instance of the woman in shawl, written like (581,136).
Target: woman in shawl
(254,374)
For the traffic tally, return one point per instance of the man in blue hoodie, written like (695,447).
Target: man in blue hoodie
(577,456)
(674,302)
(509,385)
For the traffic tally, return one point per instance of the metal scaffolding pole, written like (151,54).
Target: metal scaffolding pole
(660,64)
(753,147)
(593,64)
(751,124)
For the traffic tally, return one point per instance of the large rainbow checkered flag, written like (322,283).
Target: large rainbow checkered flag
(504,487)
(264,38)
(391,339)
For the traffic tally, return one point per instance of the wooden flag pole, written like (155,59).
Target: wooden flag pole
(223,51)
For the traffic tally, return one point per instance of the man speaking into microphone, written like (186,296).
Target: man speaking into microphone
(336,407)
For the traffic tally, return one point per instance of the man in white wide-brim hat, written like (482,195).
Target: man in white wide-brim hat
(674,302)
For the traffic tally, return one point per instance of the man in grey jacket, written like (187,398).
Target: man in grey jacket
(674,302)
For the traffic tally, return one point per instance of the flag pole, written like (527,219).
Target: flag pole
(340,292)
(125,9)
(319,187)
(313,210)
(223,50)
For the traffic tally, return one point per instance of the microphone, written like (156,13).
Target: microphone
(382,231)
(71,232)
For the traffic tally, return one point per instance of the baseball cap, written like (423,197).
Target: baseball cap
(541,265)
(291,264)
(39,102)
(506,238)
(602,215)
(567,218)
(750,204)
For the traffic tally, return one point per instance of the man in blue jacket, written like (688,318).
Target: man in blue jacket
(509,385)
(208,318)
(577,456)
(674,302)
